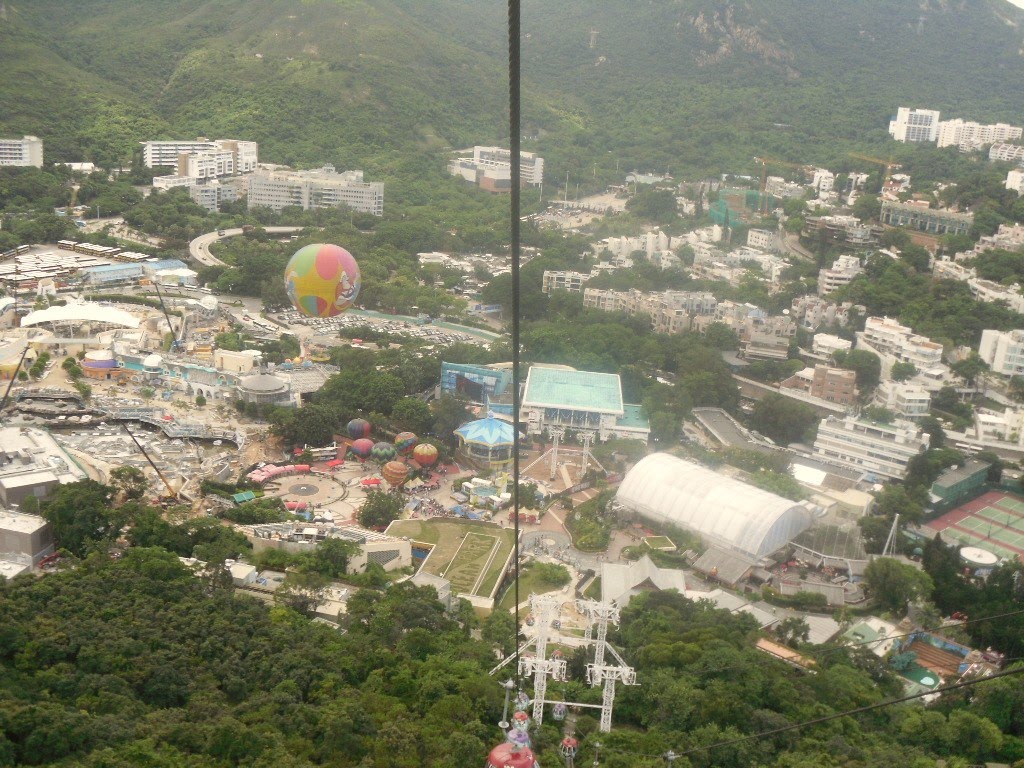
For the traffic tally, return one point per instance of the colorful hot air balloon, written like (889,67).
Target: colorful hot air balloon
(425,454)
(358,428)
(383,452)
(405,442)
(362,447)
(395,472)
(322,280)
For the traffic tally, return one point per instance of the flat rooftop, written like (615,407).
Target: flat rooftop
(573,390)
(21,523)
(956,475)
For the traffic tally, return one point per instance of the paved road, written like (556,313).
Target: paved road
(200,247)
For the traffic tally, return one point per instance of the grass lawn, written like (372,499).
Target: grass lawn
(462,551)
(529,581)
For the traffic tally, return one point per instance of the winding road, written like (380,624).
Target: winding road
(199,248)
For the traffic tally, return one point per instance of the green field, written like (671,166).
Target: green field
(470,555)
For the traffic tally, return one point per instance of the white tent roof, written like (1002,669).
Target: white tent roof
(667,490)
(81,312)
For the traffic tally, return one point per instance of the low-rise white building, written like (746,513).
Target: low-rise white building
(24,152)
(883,450)
(558,280)
(895,343)
(814,311)
(491,168)
(1006,153)
(764,239)
(905,399)
(212,194)
(842,272)
(321,188)
(827,344)
(987,290)
(1003,351)
(1015,181)
(968,135)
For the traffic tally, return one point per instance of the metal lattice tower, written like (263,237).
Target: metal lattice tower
(544,609)
(599,614)
(588,440)
(557,433)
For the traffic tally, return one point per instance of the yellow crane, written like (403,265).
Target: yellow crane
(889,164)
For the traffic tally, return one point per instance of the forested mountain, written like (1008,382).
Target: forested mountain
(697,85)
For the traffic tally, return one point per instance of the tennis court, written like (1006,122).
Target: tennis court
(993,521)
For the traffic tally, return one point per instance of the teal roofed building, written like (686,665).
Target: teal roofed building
(580,401)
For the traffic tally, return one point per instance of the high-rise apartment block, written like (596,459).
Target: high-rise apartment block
(26,151)
(915,125)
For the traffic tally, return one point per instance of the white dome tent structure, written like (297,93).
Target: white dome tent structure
(664,489)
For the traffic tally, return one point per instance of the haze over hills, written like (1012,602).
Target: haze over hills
(694,83)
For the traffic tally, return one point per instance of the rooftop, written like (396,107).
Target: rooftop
(576,390)
(16,521)
(955,475)
(633,416)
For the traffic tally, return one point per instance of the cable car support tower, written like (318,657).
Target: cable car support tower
(604,671)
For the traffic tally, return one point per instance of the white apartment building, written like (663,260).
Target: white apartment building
(842,272)
(1015,181)
(915,125)
(767,338)
(558,280)
(883,450)
(649,243)
(209,164)
(987,290)
(323,188)
(905,399)
(895,343)
(670,311)
(1007,153)
(212,194)
(170,182)
(887,337)
(166,153)
(491,168)
(763,239)
(823,181)
(813,311)
(1006,426)
(779,187)
(1003,351)
(827,344)
(26,151)
(947,269)
(968,135)
(1009,237)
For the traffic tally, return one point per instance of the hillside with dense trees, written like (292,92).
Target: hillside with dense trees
(136,662)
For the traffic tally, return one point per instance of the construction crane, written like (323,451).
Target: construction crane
(764,162)
(14,377)
(170,326)
(889,165)
(172,494)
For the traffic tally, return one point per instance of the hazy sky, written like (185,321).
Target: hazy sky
(1018,3)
